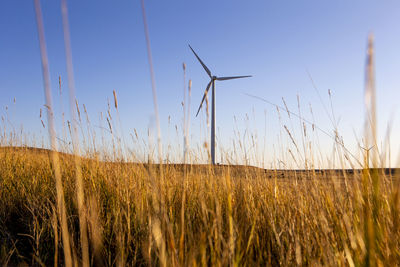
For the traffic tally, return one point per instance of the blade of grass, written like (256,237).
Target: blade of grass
(52,136)
(80,192)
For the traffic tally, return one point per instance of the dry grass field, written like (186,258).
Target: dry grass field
(190,215)
(61,209)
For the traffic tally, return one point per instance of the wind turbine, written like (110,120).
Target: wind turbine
(212,82)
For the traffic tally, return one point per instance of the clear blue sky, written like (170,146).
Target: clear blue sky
(275,41)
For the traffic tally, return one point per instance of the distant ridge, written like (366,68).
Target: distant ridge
(235,169)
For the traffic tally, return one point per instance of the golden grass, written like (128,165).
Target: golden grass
(61,209)
(230,216)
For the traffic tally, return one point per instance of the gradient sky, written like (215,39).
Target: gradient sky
(278,42)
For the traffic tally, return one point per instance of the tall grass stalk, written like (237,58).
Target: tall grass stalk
(370,103)
(372,208)
(184,107)
(64,132)
(52,136)
(153,84)
(80,191)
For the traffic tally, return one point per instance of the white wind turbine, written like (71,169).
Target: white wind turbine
(212,81)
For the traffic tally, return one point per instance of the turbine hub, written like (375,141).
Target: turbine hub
(214,77)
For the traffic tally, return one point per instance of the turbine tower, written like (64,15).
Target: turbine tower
(212,82)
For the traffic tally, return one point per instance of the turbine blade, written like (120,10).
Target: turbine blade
(201,62)
(204,97)
(232,77)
